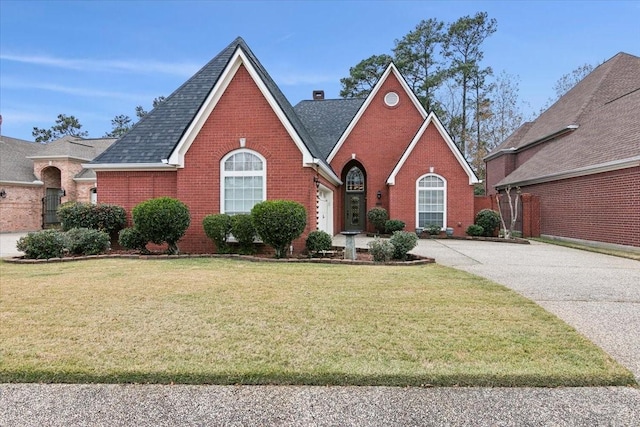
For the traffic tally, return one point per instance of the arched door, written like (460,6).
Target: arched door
(355,201)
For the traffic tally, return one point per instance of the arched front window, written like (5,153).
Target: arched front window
(431,201)
(355,180)
(243,181)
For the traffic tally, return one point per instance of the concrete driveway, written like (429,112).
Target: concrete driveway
(597,294)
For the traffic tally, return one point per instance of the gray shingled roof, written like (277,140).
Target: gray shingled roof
(14,165)
(79,148)
(604,106)
(155,136)
(326,120)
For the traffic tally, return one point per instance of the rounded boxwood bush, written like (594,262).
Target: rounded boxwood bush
(217,227)
(393,225)
(85,241)
(278,223)
(245,233)
(489,220)
(381,250)
(319,240)
(43,244)
(475,230)
(75,215)
(378,217)
(103,217)
(403,242)
(131,238)
(163,219)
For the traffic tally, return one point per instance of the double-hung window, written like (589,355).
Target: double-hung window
(243,181)
(431,201)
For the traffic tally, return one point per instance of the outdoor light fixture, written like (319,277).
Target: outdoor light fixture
(316,181)
(62,193)
(3,193)
(379,195)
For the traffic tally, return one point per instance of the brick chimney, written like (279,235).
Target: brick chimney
(318,95)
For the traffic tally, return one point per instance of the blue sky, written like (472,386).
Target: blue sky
(98,59)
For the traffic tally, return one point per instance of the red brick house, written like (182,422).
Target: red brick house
(228,138)
(581,158)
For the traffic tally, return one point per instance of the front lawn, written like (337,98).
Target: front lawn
(220,321)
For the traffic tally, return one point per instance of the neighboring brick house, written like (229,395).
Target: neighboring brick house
(35,178)
(228,138)
(581,157)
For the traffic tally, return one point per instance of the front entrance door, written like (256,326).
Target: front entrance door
(355,200)
(50,203)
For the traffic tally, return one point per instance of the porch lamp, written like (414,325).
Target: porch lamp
(3,194)
(379,195)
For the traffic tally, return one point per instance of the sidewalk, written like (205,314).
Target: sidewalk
(8,244)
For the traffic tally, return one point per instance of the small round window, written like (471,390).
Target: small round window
(391,99)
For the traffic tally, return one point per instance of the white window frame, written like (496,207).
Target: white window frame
(224,174)
(444,195)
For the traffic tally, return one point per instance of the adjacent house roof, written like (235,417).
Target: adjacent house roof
(592,128)
(17,155)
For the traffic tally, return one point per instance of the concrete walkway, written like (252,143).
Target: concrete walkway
(597,294)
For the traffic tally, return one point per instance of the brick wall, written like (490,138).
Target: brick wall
(602,207)
(21,209)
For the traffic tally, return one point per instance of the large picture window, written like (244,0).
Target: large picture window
(431,201)
(243,181)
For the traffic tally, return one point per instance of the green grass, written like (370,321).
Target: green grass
(600,250)
(217,321)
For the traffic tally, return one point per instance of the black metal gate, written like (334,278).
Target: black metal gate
(50,203)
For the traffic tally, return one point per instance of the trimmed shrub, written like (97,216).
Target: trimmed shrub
(163,219)
(378,217)
(489,220)
(103,217)
(43,244)
(75,215)
(381,250)
(85,241)
(131,238)
(108,218)
(217,227)
(278,223)
(245,233)
(319,240)
(403,242)
(433,229)
(475,230)
(393,225)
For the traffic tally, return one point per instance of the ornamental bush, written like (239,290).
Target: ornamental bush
(381,250)
(85,241)
(103,217)
(217,227)
(475,230)
(278,223)
(393,225)
(43,244)
(131,238)
(403,242)
(319,240)
(489,220)
(378,217)
(433,229)
(163,219)
(245,233)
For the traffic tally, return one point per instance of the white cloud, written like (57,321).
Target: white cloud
(129,66)
(10,83)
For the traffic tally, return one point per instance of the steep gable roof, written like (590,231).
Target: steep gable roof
(326,120)
(161,138)
(592,127)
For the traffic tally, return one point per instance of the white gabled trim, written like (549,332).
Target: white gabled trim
(575,173)
(121,167)
(325,171)
(432,118)
(390,69)
(239,58)
(59,157)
